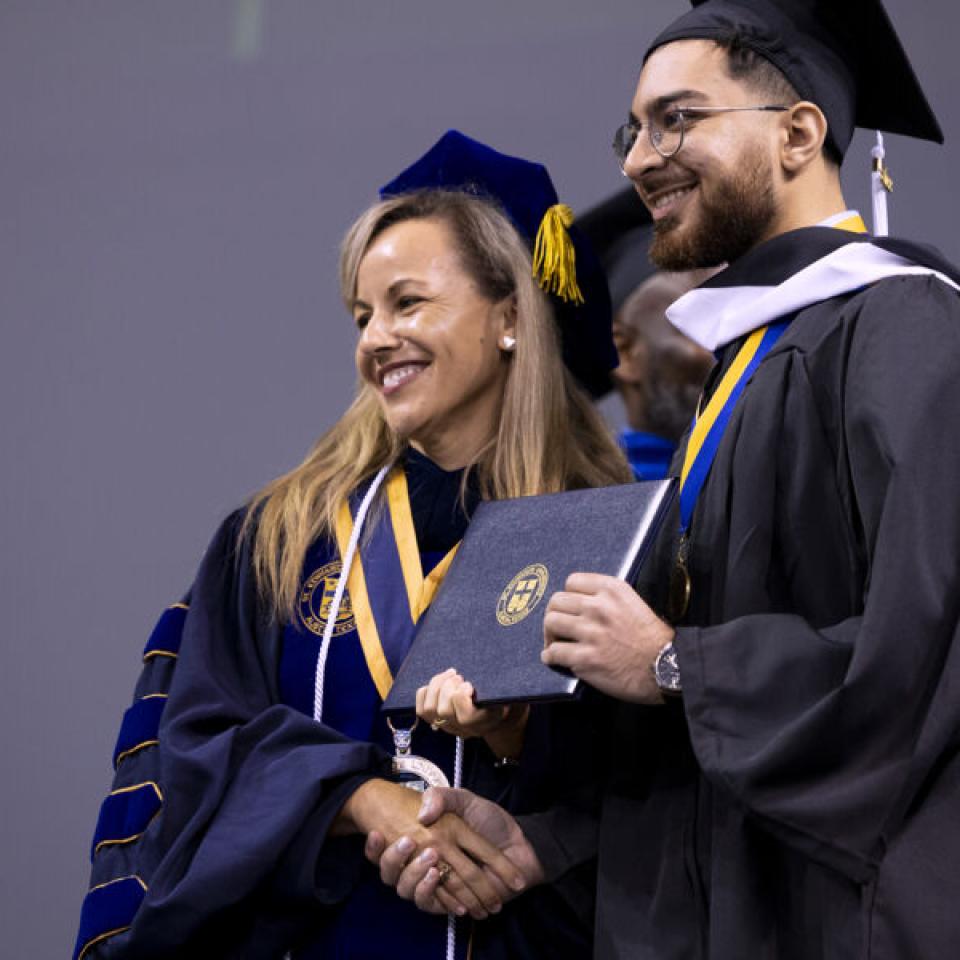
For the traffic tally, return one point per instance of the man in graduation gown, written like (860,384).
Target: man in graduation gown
(786,781)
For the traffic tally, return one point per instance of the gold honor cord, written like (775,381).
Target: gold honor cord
(420,591)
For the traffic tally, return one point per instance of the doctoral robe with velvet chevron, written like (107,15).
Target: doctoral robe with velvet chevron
(235,862)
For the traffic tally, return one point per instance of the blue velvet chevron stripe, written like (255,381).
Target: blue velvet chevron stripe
(125,814)
(165,639)
(140,726)
(108,910)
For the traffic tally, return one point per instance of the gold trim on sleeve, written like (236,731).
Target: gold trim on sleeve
(100,937)
(119,841)
(159,653)
(136,748)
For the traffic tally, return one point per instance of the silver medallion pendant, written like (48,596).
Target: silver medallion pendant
(416,773)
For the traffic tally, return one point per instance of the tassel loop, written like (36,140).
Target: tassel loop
(554,259)
(881,183)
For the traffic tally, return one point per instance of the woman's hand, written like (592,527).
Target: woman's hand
(418,879)
(447,702)
(480,875)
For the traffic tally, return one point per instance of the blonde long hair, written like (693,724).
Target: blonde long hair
(550,437)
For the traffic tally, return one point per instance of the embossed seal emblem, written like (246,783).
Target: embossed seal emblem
(522,594)
(315,598)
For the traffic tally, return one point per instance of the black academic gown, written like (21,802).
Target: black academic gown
(236,863)
(802,800)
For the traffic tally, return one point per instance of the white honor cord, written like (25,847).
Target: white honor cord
(325,647)
(451,919)
(338,593)
(878,190)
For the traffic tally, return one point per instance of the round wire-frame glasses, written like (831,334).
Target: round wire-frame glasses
(666,136)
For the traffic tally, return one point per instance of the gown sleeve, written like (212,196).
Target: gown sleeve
(554,797)
(564,832)
(841,738)
(234,860)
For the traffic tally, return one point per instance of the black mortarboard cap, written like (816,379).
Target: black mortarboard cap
(621,229)
(842,55)
(565,263)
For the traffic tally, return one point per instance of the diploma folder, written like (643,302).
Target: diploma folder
(486,620)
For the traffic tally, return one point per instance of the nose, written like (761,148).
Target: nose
(641,158)
(379,334)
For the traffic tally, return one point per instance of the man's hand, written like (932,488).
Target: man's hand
(418,878)
(599,628)
(478,874)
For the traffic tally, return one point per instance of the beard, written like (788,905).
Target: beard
(732,219)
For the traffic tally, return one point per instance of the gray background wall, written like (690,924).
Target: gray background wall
(174,179)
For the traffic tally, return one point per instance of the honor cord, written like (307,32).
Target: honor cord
(451,919)
(338,593)
(325,648)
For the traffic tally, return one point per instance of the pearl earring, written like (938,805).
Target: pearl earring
(509,342)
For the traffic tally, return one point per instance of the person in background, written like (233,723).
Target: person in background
(255,756)
(660,374)
(661,371)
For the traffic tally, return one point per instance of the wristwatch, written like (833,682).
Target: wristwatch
(666,671)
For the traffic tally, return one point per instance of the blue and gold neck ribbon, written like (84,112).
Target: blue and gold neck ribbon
(388,560)
(709,426)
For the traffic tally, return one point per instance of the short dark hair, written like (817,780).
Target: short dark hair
(749,67)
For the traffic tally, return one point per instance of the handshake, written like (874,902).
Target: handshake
(466,855)
(448,850)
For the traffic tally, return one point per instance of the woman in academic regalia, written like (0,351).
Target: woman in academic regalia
(255,757)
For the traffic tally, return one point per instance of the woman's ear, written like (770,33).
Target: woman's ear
(507,339)
(805,129)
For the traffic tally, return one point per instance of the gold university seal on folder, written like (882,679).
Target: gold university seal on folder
(522,594)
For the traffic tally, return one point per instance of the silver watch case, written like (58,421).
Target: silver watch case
(666,671)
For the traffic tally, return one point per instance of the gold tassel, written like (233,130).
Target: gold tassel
(554,260)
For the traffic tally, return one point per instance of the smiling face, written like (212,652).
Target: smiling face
(717,197)
(431,344)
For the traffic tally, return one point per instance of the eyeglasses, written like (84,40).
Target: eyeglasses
(666,136)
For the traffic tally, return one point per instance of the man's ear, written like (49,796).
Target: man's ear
(804,132)
(632,355)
